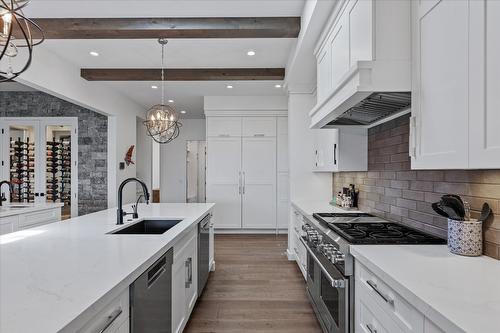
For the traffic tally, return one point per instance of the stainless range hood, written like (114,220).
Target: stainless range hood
(374,108)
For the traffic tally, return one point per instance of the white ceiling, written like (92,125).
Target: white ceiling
(180,53)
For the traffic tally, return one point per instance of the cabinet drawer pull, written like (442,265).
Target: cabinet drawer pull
(224,135)
(110,320)
(259,134)
(385,297)
(189,266)
(371,328)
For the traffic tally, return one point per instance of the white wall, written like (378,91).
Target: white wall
(59,77)
(143,155)
(173,161)
(304,184)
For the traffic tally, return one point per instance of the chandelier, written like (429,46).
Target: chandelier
(162,121)
(12,20)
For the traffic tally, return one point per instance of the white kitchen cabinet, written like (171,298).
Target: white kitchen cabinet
(184,280)
(242,174)
(258,126)
(484,85)
(259,183)
(440,102)
(224,180)
(455,80)
(112,318)
(223,126)
(296,249)
(344,149)
(381,308)
(30,219)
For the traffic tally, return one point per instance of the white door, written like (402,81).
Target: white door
(259,183)
(484,117)
(440,102)
(224,180)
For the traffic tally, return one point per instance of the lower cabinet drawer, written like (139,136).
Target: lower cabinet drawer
(111,318)
(407,317)
(370,318)
(39,218)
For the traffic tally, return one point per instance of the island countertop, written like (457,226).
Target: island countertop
(51,275)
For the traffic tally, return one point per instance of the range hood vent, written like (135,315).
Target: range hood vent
(377,106)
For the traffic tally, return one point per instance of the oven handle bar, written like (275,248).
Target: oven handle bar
(335,283)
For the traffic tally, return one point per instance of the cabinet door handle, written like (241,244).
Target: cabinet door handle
(370,328)
(413,136)
(335,154)
(259,134)
(239,182)
(224,135)
(110,320)
(189,266)
(385,297)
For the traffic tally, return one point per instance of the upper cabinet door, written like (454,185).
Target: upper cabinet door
(259,126)
(440,102)
(223,126)
(484,117)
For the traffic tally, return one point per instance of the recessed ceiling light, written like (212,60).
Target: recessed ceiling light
(251,53)
(229,86)
(277,86)
(94,53)
(154,87)
(183,111)
(170,100)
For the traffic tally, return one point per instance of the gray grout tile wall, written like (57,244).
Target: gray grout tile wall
(392,190)
(92,141)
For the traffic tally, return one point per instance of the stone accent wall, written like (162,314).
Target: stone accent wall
(92,141)
(392,190)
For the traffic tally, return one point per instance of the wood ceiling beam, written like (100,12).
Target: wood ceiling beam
(182,74)
(183,27)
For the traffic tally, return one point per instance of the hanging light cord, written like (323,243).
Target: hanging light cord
(163,71)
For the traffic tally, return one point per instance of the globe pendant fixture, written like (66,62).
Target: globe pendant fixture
(16,52)
(162,121)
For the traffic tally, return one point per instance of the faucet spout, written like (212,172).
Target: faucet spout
(2,198)
(120,213)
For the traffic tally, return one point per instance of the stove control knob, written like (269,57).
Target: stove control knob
(306,227)
(338,284)
(339,257)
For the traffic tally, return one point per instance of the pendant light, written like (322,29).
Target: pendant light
(16,49)
(162,121)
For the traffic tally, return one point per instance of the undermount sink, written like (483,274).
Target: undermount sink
(147,227)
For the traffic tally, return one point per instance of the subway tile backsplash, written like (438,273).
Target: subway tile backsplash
(392,190)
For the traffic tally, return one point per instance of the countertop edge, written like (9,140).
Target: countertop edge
(27,210)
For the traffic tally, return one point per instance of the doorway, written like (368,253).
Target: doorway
(195,171)
(39,158)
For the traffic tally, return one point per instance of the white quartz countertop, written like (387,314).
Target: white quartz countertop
(52,274)
(308,207)
(10,209)
(457,293)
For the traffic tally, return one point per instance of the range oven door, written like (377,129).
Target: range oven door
(329,292)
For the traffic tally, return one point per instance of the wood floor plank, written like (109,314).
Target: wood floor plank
(254,289)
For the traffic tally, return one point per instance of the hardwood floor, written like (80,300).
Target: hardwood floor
(253,289)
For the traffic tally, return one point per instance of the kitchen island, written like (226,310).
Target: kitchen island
(58,277)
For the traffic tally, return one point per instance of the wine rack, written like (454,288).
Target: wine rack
(22,169)
(59,171)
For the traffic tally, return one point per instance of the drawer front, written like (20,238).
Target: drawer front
(259,126)
(6,228)
(300,252)
(111,318)
(370,318)
(8,224)
(396,307)
(39,218)
(9,219)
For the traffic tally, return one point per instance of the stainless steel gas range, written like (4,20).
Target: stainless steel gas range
(330,266)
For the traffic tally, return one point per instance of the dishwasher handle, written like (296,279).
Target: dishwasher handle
(156,271)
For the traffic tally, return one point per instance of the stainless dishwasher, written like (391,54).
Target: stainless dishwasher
(203,252)
(151,298)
